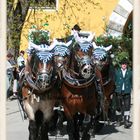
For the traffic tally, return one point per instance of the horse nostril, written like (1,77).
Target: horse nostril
(44,80)
(85,70)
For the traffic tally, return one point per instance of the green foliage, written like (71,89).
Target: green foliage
(119,56)
(39,37)
(16,15)
(45,24)
(43,3)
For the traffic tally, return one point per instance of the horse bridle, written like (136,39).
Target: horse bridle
(85,65)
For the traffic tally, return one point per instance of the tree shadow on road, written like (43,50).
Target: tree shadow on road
(106,129)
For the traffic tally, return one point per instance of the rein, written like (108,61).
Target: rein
(71,70)
(31,82)
(106,82)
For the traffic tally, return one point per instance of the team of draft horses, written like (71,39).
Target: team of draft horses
(70,81)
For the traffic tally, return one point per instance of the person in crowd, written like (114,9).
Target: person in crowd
(123,88)
(21,61)
(8,73)
(12,75)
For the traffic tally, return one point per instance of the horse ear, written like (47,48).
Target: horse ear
(107,48)
(69,43)
(94,45)
(56,42)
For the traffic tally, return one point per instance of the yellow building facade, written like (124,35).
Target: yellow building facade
(90,15)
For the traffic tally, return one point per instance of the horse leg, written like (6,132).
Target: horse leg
(77,127)
(32,130)
(44,131)
(72,130)
(85,135)
(93,129)
(60,122)
(96,126)
(87,129)
(80,118)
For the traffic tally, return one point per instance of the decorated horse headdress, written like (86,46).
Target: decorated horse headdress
(100,55)
(41,64)
(61,54)
(42,70)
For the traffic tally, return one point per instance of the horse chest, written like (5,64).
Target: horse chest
(33,103)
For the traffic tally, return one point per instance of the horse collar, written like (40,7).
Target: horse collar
(79,83)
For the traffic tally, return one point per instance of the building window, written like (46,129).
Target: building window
(44,4)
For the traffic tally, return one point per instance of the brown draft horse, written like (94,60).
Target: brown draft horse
(38,92)
(103,62)
(79,90)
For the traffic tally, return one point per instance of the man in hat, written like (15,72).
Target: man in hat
(75,30)
(123,83)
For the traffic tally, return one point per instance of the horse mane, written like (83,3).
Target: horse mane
(72,63)
(108,70)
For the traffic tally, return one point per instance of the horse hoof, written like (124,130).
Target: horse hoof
(86,137)
(127,124)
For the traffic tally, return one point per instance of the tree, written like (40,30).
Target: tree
(16,14)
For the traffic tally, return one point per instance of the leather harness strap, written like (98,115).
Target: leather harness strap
(76,83)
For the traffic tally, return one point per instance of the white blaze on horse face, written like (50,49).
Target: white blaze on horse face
(86,66)
(60,61)
(44,67)
(44,76)
(87,71)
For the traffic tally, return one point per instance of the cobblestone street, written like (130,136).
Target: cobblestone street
(17,128)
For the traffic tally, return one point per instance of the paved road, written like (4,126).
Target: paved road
(17,128)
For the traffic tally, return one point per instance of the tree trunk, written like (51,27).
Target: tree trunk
(16,15)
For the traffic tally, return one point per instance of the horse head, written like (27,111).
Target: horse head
(101,56)
(42,69)
(83,58)
(61,56)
